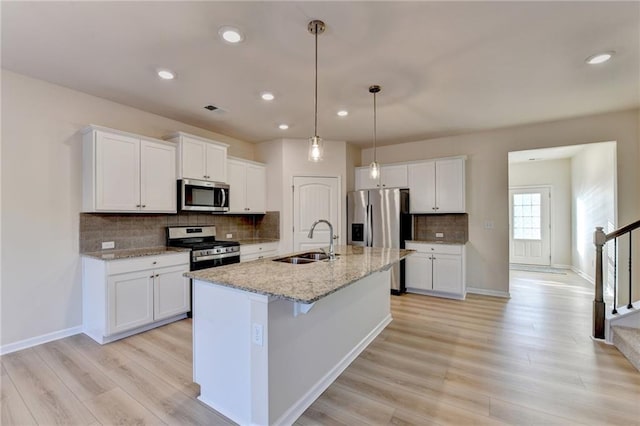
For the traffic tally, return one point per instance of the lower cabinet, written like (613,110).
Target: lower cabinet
(436,269)
(257,251)
(125,296)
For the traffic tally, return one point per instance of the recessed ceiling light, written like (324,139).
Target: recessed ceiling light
(166,74)
(283,126)
(599,58)
(231,34)
(343,113)
(267,96)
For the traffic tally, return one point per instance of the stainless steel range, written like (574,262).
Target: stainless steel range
(206,251)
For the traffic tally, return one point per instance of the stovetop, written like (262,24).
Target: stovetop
(196,237)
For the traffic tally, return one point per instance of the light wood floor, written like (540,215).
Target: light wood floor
(526,360)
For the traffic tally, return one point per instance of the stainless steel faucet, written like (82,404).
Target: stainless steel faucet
(332,253)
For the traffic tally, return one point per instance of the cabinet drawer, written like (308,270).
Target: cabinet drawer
(122,266)
(248,249)
(434,248)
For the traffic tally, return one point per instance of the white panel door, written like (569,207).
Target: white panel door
(194,158)
(394,176)
(157,177)
(314,198)
(216,162)
(447,273)
(129,301)
(117,172)
(236,178)
(256,189)
(529,227)
(418,271)
(171,294)
(450,186)
(422,184)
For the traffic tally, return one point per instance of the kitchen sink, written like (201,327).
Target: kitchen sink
(294,260)
(309,257)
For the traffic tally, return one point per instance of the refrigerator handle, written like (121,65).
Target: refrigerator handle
(370,225)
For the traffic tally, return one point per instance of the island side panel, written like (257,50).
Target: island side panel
(308,352)
(222,349)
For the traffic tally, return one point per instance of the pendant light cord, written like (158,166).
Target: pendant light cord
(374,126)
(315,95)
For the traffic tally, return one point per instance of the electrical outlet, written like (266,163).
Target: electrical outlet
(229,235)
(108,245)
(256,334)
(488,224)
(439,235)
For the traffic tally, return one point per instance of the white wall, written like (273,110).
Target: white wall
(291,160)
(557,174)
(487,179)
(593,199)
(41,197)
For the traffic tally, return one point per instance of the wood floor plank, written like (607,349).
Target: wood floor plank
(116,407)
(48,399)
(75,371)
(13,409)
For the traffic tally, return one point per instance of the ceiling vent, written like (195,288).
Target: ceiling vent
(211,107)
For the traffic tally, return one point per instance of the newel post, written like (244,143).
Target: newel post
(599,239)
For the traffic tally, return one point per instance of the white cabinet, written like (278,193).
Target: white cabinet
(258,251)
(437,186)
(200,158)
(436,269)
(123,172)
(125,296)
(391,176)
(247,186)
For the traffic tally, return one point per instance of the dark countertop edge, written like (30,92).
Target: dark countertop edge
(304,301)
(134,252)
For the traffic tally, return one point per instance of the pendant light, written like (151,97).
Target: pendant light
(316,144)
(374,167)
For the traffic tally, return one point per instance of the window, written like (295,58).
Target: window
(526,216)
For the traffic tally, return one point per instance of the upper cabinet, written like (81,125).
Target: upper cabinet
(247,186)
(437,186)
(123,172)
(391,176)
(200,158)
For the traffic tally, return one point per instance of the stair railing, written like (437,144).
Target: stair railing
(599,308)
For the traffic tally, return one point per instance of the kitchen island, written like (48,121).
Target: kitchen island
(270,337)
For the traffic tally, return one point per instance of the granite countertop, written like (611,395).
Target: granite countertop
(450,243)
(305,283)
(129,253)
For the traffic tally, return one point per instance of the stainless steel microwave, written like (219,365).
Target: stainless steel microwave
(202,195)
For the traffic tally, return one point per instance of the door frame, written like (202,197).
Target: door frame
(549,213)
(337,229)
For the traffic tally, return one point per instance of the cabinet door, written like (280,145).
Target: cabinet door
(216,162)
(394,176)
(236,178)
(157,177)
(422,186)
(447,273)
(418,271)
(194,158)
(117,172)
(129,301)
(171,292)
(450,186)
(364,181)
(256,189)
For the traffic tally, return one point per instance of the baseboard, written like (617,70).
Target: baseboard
(38,340)
(296,410)
(560,266)
(583,275)
(487,292)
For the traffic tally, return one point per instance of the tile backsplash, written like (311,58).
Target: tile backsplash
(149,230)
(454,227)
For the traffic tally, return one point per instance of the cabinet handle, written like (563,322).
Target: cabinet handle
(151,276)
(157,275)
(384,184)
(137,205)
(144,205)
(155,262)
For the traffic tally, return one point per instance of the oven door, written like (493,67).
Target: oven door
(200,195)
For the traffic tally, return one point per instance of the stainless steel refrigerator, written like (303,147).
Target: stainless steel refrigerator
(380,218)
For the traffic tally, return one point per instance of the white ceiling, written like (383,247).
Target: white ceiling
(545,154)
(445,67)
